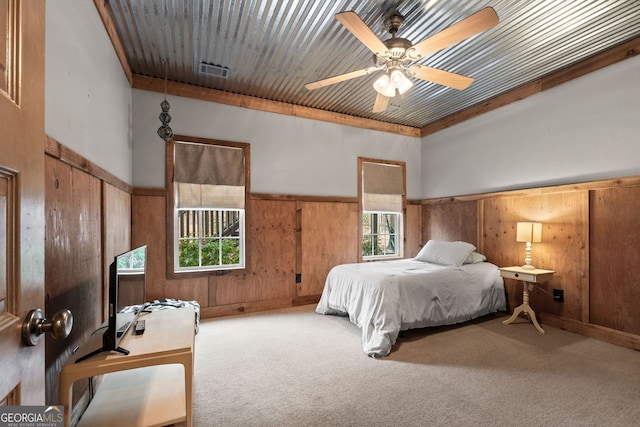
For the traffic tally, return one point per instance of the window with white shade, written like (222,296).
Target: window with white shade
(382,201)
(208,196)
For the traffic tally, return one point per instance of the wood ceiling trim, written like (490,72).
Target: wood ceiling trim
(213,95)
(619,53)
(596,62)
(106,16)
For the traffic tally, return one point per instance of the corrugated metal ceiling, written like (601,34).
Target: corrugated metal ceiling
(272,48)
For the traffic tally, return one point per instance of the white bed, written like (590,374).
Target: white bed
(386,297)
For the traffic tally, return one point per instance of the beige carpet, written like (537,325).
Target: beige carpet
(297,368)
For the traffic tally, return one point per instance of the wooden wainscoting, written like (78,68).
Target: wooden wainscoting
(451,219)
(590,237)
(413,239)
(329,237)
(88,222)
(564,247)
(73,260)
(614,247)
(116,231)
(272,259)
(290,236)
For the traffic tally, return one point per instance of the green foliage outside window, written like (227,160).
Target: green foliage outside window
(137,260)
(189,252)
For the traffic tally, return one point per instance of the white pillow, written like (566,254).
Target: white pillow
(445,253)
(474,258)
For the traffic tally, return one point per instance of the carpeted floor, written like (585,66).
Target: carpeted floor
(297,368)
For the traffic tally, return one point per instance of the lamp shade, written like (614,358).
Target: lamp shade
(400,81)
(529,232)
(387,83)
(384,86)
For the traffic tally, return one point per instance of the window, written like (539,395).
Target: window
(209,189)
(380,234)
(209,238)
(382,201)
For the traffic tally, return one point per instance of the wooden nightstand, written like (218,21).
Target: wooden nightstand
(528,277)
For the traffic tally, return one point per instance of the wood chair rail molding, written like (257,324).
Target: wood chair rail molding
(66,155)
(628,181)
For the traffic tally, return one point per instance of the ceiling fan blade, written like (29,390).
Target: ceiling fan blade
(475,24)
(381,103)
(358,28)
(340,78)
(441,77)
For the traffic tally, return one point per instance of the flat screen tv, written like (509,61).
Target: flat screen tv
(127,298)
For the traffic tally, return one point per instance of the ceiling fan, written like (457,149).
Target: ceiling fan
(396,56)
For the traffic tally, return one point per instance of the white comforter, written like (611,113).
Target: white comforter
(385,297)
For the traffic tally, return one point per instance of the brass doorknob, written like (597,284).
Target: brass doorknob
(35,325)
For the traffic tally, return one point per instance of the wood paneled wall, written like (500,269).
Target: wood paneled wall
(78,206)
(73,269)
(413,238)
(271,271)
(590,237)
(288,236)
(116,232)
(614,248)
(564,246)
(329,237)
(88,222)
(451,220)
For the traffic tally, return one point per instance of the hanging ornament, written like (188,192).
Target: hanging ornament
(165,132)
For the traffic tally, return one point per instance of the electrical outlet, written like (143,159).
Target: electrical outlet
(558,295)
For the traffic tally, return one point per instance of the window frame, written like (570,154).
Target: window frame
(171,211)
(402,214)
(398,234)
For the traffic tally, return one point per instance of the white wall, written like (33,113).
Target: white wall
(289,155)
(585,129)
(87,96)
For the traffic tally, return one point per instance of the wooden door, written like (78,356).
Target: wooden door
(22,43)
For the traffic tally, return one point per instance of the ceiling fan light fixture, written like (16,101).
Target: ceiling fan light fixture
(400,81)
(384,86)
(387,83)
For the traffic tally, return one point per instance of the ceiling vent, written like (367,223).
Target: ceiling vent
(214,70)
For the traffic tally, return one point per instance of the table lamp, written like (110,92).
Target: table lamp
(528,232)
